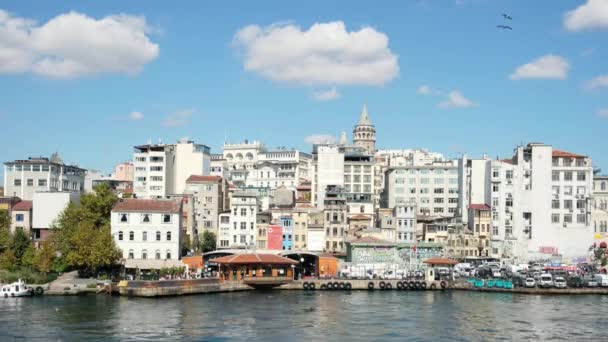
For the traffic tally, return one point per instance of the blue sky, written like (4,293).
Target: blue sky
(185,72)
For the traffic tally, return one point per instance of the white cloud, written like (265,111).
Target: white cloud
(424,90)
(326,95)
(178,118)
(320,139)
(603,113)
(591,15)
(596,83)
(548,67)
(136,116)
(71,45)
(457,100)
(324,54)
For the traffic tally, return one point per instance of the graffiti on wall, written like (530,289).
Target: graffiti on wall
(377,255)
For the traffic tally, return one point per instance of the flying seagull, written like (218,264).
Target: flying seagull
(505,27)
(507,16)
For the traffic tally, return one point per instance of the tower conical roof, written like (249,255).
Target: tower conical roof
(364,118)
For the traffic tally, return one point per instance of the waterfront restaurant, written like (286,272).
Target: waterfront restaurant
(256,269)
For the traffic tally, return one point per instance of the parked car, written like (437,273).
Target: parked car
(530,282)
(519,281)
(602,279)
(591,282)
(560,283)
(575,282)
(496,273)
(546,280)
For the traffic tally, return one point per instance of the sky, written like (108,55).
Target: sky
(92,79)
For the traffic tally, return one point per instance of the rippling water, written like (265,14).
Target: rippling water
(307,316)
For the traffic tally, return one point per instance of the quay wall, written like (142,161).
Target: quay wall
(177,287)
(362,284)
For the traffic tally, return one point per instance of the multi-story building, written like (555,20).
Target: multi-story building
(600,206)
(250,165)
(335,223)
(148,232)
(287,229)
(209,194)
(124,172)
(315,232)
(434,188)
(163,169)
(47,207)
(243,208)
(223,239)
(21,216)
(263,223)
(405,222)
(23,178)
(540,200)
(480,223)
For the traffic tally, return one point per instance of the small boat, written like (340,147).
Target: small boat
(16,289)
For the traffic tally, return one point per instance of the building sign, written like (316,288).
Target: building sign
(275,237)
(547,250)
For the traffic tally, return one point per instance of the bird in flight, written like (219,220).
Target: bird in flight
(507,16)
(505,27)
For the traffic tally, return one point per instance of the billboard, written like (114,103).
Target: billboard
(275,237)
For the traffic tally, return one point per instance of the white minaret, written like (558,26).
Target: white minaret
(364,134)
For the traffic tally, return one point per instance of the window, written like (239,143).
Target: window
(580,204)
(36,168)
(30,182)
(581,218)
(168,236)
(495,202)
(603,186)
(251,225)
(157,236)
(424,180)
(357,179)
(140,159)
(124,218)
(568,218)
(438,200)
(120,236)
(156,168)
(509,174)
(19,217)
(580,190)
(168,254)
(131,236)
(438,190)
(568,176)
(495,173)
(42,182)
(438,210)
(145,218)
(243,211)
(17,182)
(130,254)
(555,176)
(424,190)
(567,204)
(453,190)
(144,254)
(144,236)
(243,225)
(554,218)
(166,218)
(495,187)
(439,180)
(568,190)
(555,204)
(156,178)
(581,176)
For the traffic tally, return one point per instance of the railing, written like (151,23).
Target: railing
(267,280)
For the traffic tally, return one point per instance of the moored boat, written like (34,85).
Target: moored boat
(16,289)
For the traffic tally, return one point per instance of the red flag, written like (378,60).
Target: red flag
(414,248)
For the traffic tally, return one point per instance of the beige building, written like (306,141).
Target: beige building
(209,200)
(21,216)
(124,171)
(480,223)
(600,206)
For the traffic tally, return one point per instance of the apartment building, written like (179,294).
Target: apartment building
(209,200)
(23,178)
(600,206)
(335,223)
(243,212)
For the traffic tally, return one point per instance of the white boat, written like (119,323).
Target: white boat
(16,289)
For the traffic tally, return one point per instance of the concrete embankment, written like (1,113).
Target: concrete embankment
(164,288)
(365,284)
(534,291)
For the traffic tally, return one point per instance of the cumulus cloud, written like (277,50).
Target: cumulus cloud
(596,83)
(326,53)
(455,99)
(320,139)
(603,113)
(178,118)
(549,67)
(591,15)
(424,90)
(72,45)
(136,116)
(326,95)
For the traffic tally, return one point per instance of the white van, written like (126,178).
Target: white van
(602,279)
(546,280)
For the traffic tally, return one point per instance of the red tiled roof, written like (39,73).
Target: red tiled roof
(360,217)
(508,161)
(23,206)
(566,154)
(195,178)
(440,261)
(248,259)
(146,205)
(479,207)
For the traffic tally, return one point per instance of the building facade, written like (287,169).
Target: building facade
(364,133)
(336,225)
(23,178)
(21,216)
(600,206)
(209,199)
(146,229)
(47,207)
(243,209)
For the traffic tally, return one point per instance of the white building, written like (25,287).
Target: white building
(600,206)
(23,178)
(223,238)
(540,200)
(163,169)
(148,232)
(434,188)
(243,209)
(47,207)
(405,222)
(209,194)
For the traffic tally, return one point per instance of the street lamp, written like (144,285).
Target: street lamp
(301,268)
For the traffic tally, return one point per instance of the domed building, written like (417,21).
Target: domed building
(364,134)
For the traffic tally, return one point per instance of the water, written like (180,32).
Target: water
(307,316)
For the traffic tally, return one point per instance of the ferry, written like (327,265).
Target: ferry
(16,289)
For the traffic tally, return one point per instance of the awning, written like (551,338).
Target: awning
(152,264)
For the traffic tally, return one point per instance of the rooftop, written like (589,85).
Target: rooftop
(440,261)
(483,207)
(23,206)
(202,179)
(147,205)
(566,154)
(248,259)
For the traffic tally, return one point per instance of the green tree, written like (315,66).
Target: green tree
(8,261)
(185,244)
(45,257)
(5,233)
(28,259)
(82,233)
(208,241)
(19,243)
